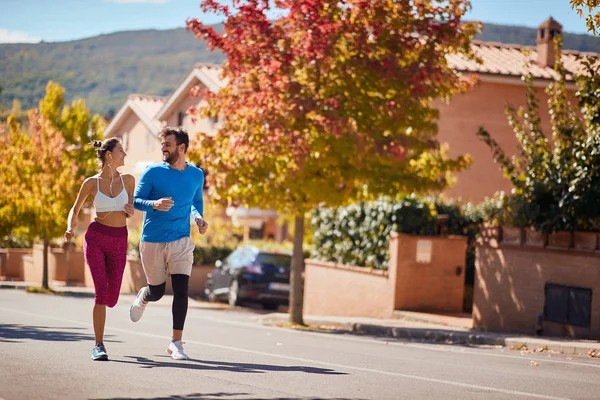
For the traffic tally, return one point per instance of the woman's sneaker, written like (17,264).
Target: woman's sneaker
(99,353)
(175,350)
(137,308)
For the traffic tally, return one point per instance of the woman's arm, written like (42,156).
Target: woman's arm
(84,192)
(130,187)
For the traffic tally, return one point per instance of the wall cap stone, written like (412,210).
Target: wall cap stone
(394,235)
(352,268)
(532,249)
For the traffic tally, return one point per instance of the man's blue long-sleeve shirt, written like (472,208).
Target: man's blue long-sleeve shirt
(183,186)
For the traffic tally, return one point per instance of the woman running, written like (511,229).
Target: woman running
(105,244)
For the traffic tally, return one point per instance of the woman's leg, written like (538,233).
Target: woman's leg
(99,322)
(95,259)
(115,266)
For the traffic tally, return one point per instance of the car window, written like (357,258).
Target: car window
(278,260)
(233,259)
(247,257)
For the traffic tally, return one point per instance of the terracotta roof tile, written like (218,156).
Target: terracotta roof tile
(511,60)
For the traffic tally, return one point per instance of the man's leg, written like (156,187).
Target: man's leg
(180,285)
(155,268)
(179,259)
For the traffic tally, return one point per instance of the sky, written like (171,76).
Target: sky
(65,20)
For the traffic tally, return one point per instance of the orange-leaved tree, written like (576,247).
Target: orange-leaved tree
(591,8)
(328,102)
(47,165)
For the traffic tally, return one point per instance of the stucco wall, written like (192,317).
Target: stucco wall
(332,289)
(11,263)
(459,122)
(510,282)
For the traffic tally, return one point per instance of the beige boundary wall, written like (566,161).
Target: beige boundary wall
(434,283)
(69,267)
(11,263)
(511,276)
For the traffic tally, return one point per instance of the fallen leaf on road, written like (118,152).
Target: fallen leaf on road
(594,354)
(520,346)
(534,364)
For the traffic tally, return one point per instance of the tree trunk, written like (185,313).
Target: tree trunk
(45,265)
(296,278)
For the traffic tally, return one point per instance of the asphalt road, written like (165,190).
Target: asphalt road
(46,343)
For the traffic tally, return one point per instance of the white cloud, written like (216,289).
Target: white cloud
(7,36)
(138,1)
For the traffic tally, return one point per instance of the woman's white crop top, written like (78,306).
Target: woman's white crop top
(103,203)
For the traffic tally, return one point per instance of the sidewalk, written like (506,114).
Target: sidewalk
(82,291)
(439,329)
(406,325)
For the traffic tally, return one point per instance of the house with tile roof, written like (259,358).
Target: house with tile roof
(499,83)
(141,118)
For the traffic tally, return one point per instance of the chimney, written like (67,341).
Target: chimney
(546,33)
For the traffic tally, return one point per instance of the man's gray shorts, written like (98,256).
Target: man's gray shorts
(168,258)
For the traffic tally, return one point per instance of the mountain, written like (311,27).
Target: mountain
(526,36)
(102,69)
(105,69)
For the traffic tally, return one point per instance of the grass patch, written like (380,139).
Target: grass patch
(39,289)
(313,328)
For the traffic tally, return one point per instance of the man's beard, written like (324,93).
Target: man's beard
(171,157)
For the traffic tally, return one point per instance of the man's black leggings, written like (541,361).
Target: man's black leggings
(180,284)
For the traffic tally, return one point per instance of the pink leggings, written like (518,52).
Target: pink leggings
(105,251)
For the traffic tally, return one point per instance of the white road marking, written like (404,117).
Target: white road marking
(306,360)
(391,342)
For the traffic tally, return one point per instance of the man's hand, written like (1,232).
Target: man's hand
(69,234)
(202,225)
(129,210)
(163,204)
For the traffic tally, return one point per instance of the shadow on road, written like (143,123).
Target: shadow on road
(14,333)
(225,366)
(217,396)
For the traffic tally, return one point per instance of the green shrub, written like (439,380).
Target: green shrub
(359,234)
(15,242)
(210,254)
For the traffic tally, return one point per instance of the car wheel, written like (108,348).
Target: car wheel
(212,297)
(270,306)
(234,291)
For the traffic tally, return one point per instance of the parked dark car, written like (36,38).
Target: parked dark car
(250,274)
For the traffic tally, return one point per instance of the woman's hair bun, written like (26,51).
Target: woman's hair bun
(97,143)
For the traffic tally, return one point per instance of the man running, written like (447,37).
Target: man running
(167,192)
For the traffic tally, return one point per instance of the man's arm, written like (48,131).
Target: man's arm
(197,201)
(198,208)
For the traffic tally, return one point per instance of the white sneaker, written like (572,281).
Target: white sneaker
(137,307)
(175,349)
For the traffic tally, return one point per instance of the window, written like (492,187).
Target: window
(278,260)
(568,305)
(180,116)
(125,141)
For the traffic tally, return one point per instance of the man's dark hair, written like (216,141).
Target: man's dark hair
(181,136)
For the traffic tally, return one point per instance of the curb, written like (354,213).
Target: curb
(448,336)
(430,335)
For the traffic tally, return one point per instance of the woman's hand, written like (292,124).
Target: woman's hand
(69,234)
(129,210)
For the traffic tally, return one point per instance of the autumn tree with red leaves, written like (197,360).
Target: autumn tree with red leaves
(330,102)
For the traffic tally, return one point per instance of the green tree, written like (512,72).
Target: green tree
(47,165)
(330,103)
(592,19)
(556,178)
